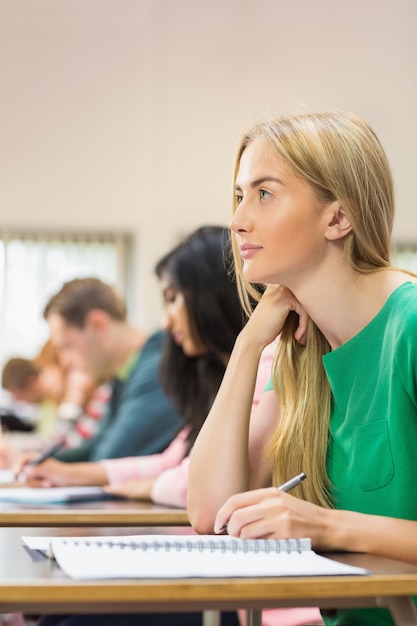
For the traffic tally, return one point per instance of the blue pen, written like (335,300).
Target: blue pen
(45,454)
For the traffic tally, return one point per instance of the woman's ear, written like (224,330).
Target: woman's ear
(339,224)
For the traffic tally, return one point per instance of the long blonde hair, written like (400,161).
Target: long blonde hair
(340,156)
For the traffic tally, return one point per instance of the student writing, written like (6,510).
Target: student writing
(202,317)
(89,326)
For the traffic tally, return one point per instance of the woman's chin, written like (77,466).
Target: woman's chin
(253,277)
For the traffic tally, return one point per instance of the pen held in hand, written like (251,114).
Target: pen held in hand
(293,482)
(287,486)
(45,454)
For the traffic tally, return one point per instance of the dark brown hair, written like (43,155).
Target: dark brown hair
(16,373)
(199,267)
(80,296)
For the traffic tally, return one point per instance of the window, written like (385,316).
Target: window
(405,256)
(34,266)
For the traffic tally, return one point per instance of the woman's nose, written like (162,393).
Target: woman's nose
(166,321)
(240,221)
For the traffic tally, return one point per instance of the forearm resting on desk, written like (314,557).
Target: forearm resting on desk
(376,534)
(53,473)
(169,488)
(138,489)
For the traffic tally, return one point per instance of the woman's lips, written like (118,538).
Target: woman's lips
(247,250)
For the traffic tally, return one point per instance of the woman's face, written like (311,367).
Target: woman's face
(278,224)
(176,321)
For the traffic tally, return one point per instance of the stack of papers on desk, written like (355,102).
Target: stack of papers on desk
(51,495)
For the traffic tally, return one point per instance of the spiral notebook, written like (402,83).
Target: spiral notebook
(187,556)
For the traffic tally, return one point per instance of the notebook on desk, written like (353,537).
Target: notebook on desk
(51,495)
(179,556)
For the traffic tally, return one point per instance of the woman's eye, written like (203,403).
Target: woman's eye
(238,199)
(263,194)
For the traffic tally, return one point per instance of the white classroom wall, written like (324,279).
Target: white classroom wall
(124,114)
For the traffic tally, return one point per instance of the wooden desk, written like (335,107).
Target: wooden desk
(40,587)
(99,513)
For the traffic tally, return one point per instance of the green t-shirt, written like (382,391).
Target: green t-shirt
(372,456)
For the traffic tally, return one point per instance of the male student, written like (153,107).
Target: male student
(20,395)
(88,325)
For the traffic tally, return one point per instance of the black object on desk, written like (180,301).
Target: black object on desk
(12,422)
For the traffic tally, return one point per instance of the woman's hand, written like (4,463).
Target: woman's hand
(50,473)
(53,473)
(272,310)
(138,489)
(19,462)
(274,514)
(271,513)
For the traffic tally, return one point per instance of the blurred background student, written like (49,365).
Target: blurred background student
(35,388)
(202,318)
(21,395)
(89,329)
(42,401)
(42,392)
(65,391)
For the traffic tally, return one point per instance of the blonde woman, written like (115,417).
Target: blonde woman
(313,216)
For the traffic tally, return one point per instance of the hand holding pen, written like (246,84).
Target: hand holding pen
(287,486)
(45,454)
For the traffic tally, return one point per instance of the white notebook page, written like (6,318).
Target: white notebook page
(168,556)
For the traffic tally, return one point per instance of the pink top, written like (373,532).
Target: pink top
(152,465)
(170,468)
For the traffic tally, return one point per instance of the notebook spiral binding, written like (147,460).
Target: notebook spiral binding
(217,545)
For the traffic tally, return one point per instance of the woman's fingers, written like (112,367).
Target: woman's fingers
(239,509)
(271,513)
